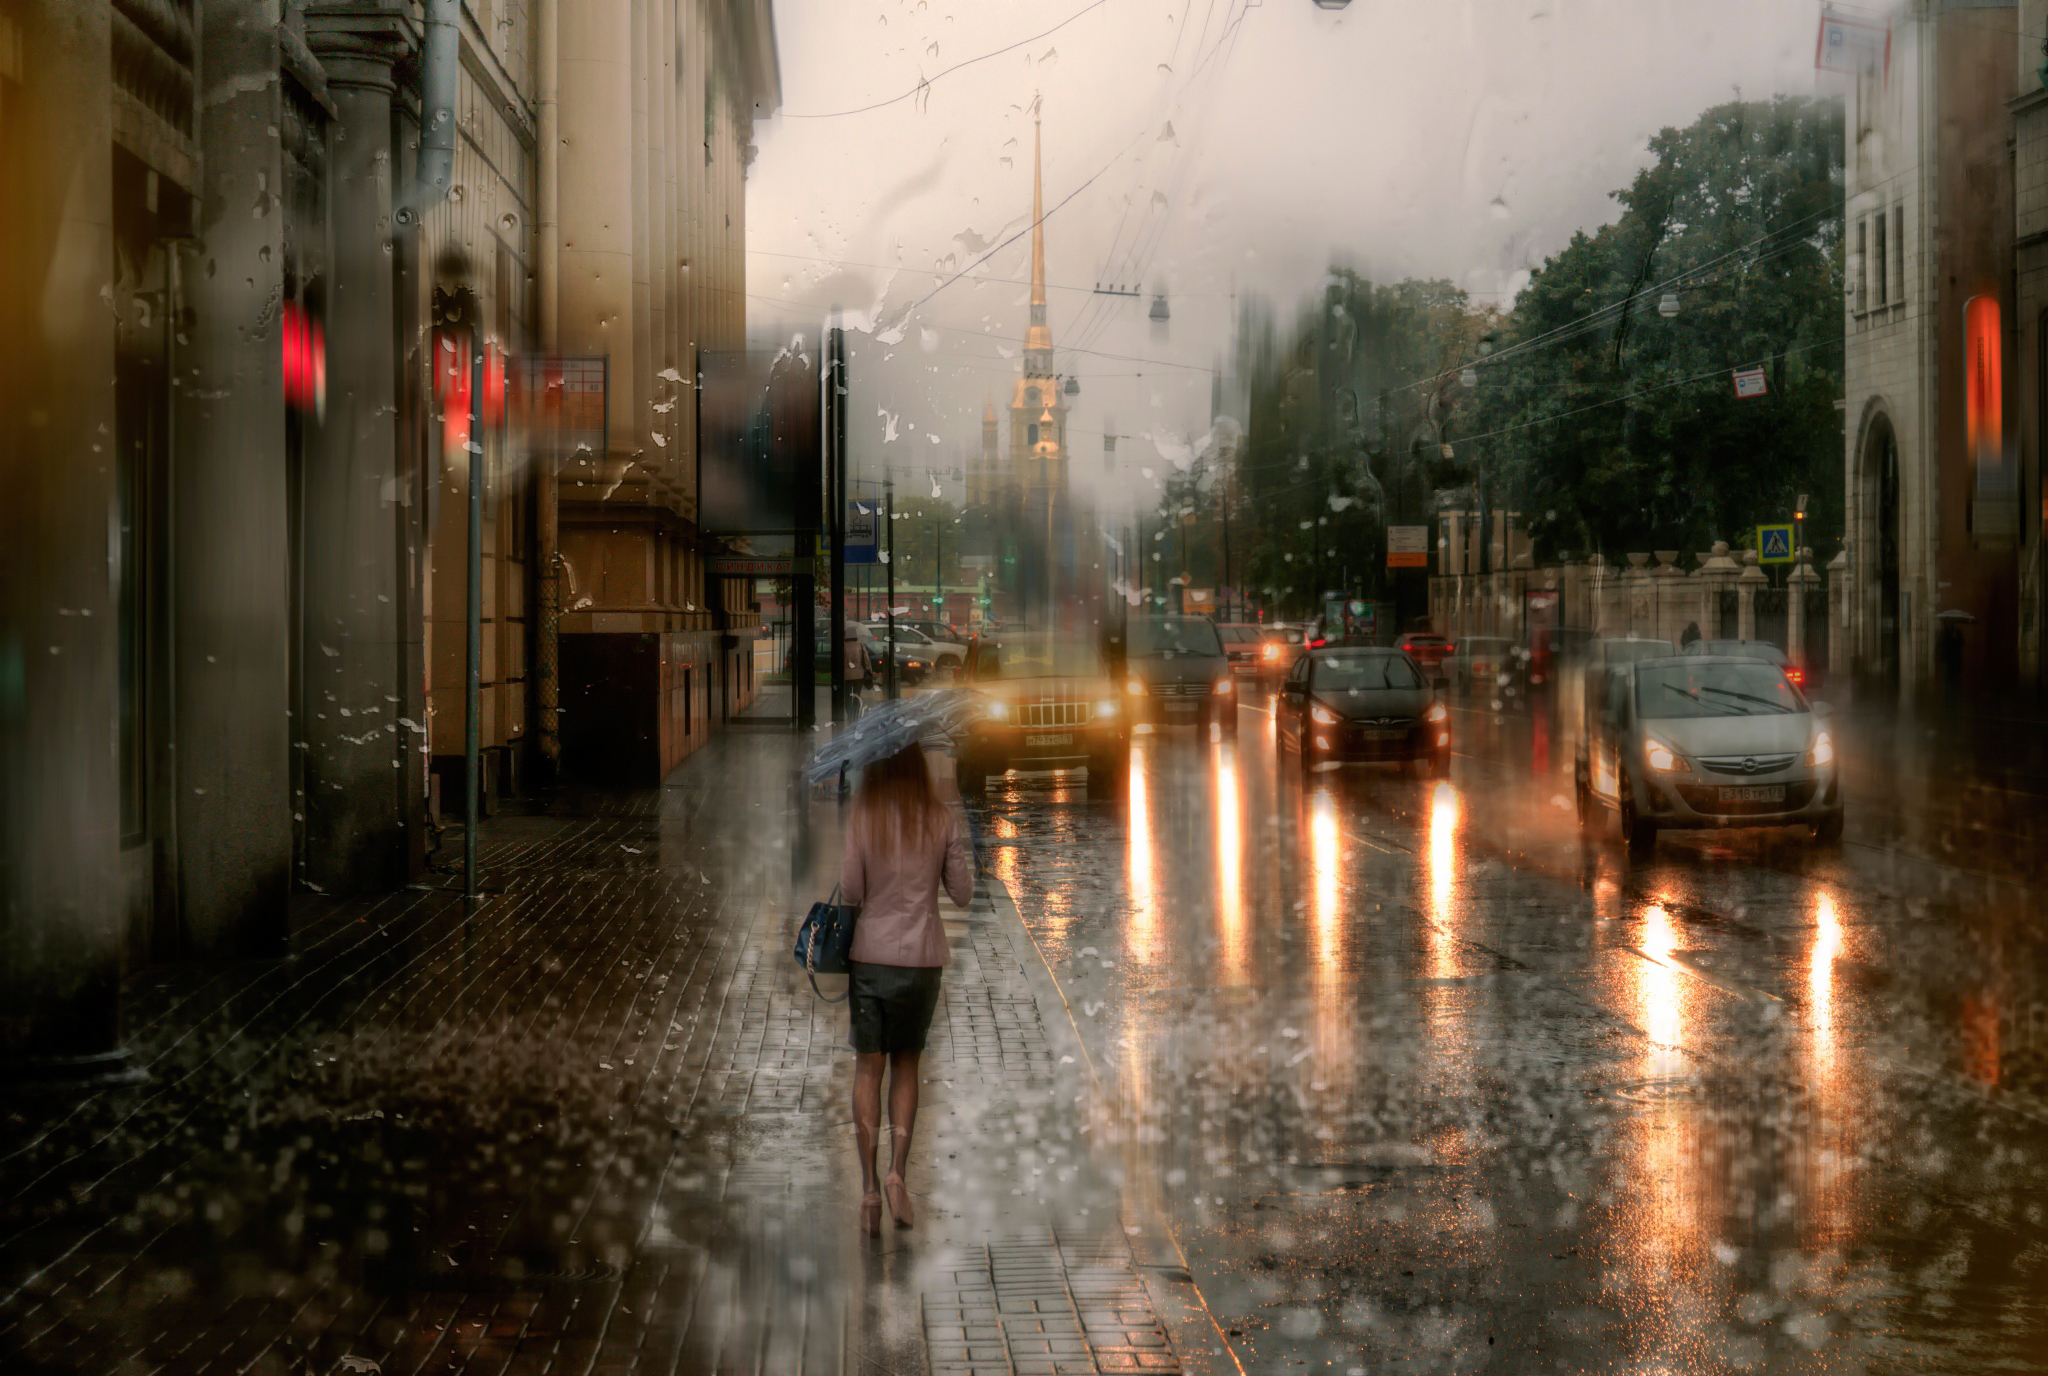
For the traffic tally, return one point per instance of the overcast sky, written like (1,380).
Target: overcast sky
(1195,147)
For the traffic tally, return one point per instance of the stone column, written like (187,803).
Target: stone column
(1746,586)
(61,920)
(229,548)
(357,579)
(1796,584)
(1717,573)
(1839,648)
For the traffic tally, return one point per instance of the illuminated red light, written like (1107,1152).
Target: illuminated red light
(305,361)
(1986,382)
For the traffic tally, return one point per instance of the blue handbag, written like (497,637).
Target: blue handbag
(824,943)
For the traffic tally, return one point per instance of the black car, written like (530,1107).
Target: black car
(1364,705)
(1176,672)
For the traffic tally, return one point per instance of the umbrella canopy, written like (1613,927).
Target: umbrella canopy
(889,726)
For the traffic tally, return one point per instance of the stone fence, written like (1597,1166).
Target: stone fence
(1728,596)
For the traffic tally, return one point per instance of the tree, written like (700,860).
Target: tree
(1613,427)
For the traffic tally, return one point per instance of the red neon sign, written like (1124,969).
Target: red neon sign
(1983,346)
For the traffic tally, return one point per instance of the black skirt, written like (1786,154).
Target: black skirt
(892,1006)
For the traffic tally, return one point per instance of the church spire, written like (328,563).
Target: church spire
(1037,226)
(1038,339)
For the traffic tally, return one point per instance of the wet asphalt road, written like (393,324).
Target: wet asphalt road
(1420,1078)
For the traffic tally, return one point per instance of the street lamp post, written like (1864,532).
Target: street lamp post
(889,607)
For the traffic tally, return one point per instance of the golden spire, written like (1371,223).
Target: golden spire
(1037,224)
(1038,339)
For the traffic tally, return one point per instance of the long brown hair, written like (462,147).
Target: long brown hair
(897,803)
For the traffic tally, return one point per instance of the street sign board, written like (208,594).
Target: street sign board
(1407,547)
(1774,544)
(1749,382)
(1854,45)
(862,521)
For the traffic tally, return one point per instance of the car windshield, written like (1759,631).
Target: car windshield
(1664,692)
(1038,657)
(1359,673)
(1286,635)
(1187,637)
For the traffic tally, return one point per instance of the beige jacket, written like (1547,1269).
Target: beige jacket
(897,889)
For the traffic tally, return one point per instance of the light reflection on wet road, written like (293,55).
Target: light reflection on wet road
(1419,1076)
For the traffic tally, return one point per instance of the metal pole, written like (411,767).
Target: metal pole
(835,442)
(473,648)
(889,607)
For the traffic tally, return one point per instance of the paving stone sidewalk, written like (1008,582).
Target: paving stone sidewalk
(599,1125)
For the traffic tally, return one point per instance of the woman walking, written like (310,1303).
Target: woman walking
(900,843)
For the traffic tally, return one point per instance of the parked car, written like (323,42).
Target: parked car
(1363,704)
(943,657)
(1176,672)
(1429,652)
(1707,741)
(1757,649)
(1484,662)
(1049,702)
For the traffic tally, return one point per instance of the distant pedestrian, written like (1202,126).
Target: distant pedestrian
(901,842)
(1690,634)
(856,656)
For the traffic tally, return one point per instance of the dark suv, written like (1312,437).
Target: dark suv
(1176,672)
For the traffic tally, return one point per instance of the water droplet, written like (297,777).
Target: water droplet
(454,193)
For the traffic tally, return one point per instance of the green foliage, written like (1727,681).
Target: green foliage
(1615,428)
(1611,427)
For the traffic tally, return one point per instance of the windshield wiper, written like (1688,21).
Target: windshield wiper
(1694,698)
(1746,697)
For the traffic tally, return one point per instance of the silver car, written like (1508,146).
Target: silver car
(1707,741)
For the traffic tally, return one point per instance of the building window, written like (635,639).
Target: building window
(1880,261)
(1862,258)
(1899,255)
(1031,433)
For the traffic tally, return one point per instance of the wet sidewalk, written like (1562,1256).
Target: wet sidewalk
(600,1125)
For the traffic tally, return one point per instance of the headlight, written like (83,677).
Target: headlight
(999,710)
(1662,757)
(1223,685)
(1823,751)
(1106,708)
(1325,716)
(1135,687)
(1272,652)
(1437,712)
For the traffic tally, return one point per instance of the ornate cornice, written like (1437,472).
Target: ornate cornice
(360,45)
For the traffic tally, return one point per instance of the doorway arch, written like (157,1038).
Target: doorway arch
(1882,546)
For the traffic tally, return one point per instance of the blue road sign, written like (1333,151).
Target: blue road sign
(1774,544)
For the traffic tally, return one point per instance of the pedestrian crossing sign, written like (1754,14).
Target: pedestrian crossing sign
(1774,544)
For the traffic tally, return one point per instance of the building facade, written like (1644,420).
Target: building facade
(1935,357)
(233,575)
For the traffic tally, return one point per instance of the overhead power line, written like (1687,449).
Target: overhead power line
(925,83)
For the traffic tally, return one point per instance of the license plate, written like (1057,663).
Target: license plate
(1760,793)
(1059,738)
(1381,735)
(1180,706)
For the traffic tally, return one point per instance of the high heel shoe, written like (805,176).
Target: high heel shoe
(899,1201)
(871,1214)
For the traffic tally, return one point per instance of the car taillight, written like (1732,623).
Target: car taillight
(1317,643)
